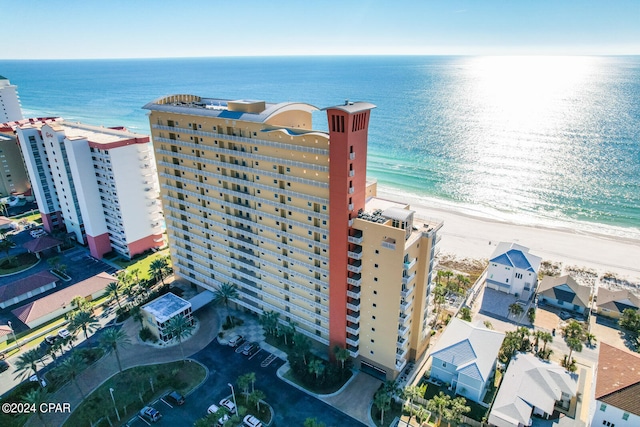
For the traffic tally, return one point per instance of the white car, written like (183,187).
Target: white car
(34,379)
(63,333)
(215,408)
(227,403)
(251,421)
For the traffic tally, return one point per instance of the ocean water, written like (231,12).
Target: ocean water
(552,141)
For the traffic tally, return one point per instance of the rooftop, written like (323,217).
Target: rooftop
(382,210)
(618,378)
(565,289)
(97,134)
(617,300)
(165,307)
(25,285)
(514,255)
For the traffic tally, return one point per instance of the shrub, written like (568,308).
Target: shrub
(146,334)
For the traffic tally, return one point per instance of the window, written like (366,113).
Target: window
(375,265)
(625,416)
(603,407)
(444,364)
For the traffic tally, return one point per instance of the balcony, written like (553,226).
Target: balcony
(355,267)
(351,223)
(403,331)
(352,156)
(400,364)
(353,352)
(355,280)
(407,291)
(407,279)
(353,294)
(354,305)
(401,345)
(351,206)
(353,329)
(401,354)
(352,173)
(355,341)
(389,245)
(355,254)
(353,317)
(404,305)
(404,320)
(351,190)
(355,239)
(410,264)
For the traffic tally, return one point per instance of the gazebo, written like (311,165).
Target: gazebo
(36,246)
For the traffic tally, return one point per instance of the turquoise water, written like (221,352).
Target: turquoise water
(552,141)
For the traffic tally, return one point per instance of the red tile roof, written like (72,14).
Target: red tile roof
(28,284)
(43,306)
(4,330)
(41,244)
(618,378)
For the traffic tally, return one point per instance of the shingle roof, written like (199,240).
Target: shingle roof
(41,243)
(473,349)
(565,289)
(618,378)
(617,300)
(28,284)
(517,256)
(530,382)
(43,306)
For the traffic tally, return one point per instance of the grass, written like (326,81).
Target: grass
(477,411)
(142,264)
(132,391)
(22,261)
(389,415)
(29,216)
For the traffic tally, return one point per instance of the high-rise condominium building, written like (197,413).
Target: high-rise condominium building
(14,179)
(10,109)
(253,196)
(98,183)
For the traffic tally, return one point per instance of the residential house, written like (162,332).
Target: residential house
(564,292)
(616,402)
(612,303)
(465,357)
(513,270)
(532,386)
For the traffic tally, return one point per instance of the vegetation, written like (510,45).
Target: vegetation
(574,335)
(179,327)
(515,309)
(112,340)
(20,262)
(225,293)
(465,314)
(630,322)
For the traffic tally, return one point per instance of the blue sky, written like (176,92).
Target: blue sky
(197,28)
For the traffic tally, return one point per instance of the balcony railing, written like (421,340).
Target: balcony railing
(400,364)
(403,331)
(406,292)
(401,354)
(351,206)
(355,280)
(410,264)
(401,344)
(352,294)
(352,173)
(352,156)
(404,320)
(353,329)
(351,223)
(407,279)
(355,254)
(404,305)
(354,305)
(355,240)
(354,317)
(355,342)
(355,267)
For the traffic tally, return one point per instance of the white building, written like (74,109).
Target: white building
(616,402)
(513,270)
(98,183)
(10,108)
(161,310)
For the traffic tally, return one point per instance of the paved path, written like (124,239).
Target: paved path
(355,399)
(135,354)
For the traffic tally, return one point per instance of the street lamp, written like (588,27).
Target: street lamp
(114,403)
(14,333)
(233,393)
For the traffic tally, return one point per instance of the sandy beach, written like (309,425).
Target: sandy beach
(466,236)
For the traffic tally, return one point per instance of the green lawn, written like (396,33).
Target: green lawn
(20,262)
(142,264)
(132,390)
(477,411)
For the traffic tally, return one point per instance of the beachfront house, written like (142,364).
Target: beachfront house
(513,270)
(465,357)
(616,402)
(611,303)
(565,293)
(532,387)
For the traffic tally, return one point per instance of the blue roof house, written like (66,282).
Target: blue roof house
(513,270)
(465,357)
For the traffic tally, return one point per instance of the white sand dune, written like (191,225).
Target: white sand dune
(467,236)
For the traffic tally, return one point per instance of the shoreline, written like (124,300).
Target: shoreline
(467,236)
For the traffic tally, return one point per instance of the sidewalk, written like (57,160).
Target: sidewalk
(135,354)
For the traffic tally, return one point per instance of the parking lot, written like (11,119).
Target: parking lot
(291,406)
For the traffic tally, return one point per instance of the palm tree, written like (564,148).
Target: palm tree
(86,321)
(438,405)
(342,354)
(73,365)
(457,408)
(113,290)
(28,361)
(255,397)
(5,245)
(591,338)
(391,388)
(80,303)
(136,314)
(421,414)
(515,309)
(269,320)
(382,401)
(179,327)
(411,392)
(574,344)
(301,345)
(34,398)
(546,337)
(225,293)
(158,268)
(243,382)
(316,367)
(135,272)
(112,339)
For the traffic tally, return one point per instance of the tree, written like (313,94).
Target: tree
(515,309)
(28,361)
(269,320)
(86,321)
(112,340)
(158,269)
(316,367)
(438,405)
(382,401)
(411,392)
(244,381)
(179,327)
(545,337)
(313,422)
(34,398)
(72,366)
(80,303)
(301,345)
(591,338)
(342,355)
(255,397)
(465,314)
(531,314)
(391,388)
(5,245)
(225,293)
(421,414)
(457,408)
(630,320)
(574,344)
(113,290)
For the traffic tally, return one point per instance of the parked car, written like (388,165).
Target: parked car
(50,339)
(244,347)
(4,365)
(215,408)
(228,404)
(34,379)
(150,414)
(564,315)
(236,340)
(253,348)
(175,398)
(251,421)
(63,333)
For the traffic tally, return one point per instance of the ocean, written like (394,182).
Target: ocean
(548,141)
